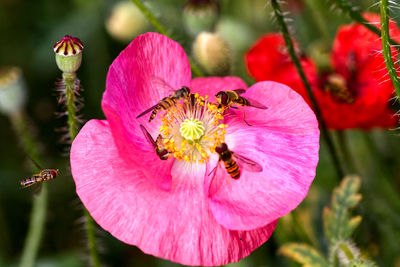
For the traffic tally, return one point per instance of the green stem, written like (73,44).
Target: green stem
(296,62)
(344,147)
(355,15)
(153,20)
(39,206)
(319,20)
(70,82)
(386,50)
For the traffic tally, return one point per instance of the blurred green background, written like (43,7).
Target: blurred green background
(28,30)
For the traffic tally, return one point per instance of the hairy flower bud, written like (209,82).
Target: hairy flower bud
(68,54)
(126,21)
(12,90)
(213,53)
(200,15)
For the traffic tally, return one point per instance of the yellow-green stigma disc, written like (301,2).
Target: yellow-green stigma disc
(192,129)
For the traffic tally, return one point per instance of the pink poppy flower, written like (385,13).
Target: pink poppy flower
(175,209)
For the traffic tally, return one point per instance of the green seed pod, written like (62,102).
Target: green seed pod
(200,15)
(68,54)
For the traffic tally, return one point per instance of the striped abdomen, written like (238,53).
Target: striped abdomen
(31,180)
(164,104)
(242,101)
(232,168)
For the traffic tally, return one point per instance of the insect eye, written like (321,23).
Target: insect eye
(224,99)
(221,148)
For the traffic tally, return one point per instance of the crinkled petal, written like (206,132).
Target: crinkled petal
(268,60)
(175,224)
(135,83)
(284,140)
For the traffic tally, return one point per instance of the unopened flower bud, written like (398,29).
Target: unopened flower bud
(12,90)
(200,15)
(213,53)
(68,54)
(126,21)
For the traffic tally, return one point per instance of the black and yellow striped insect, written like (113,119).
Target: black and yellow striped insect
(168,101)
(227,99)
(232,161)
(158,146)
(43,176)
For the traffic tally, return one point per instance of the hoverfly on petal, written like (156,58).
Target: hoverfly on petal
(168,101)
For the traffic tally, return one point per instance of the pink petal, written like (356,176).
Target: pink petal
(212,85)
(175,225)
(285,142)
(131,88)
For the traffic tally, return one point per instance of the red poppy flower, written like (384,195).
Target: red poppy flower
(356,94)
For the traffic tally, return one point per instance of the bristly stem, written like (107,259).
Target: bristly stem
(70,82)
(296,62)
(355,15)
(39,206)
(153,20)
(386,50)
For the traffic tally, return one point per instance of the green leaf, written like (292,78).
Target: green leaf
(337,222)
(304,254)
(361,263)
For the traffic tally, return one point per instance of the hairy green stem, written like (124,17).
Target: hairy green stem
(355,15)
(386,50)
(70,82)
(344,147)
(39,205)
(153,20)
(296,62)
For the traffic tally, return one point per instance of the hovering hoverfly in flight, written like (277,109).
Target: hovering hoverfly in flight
(43,176)
(158,146)
(168,101)
(232,161)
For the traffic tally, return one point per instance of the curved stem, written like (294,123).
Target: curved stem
(386,51)
(153,20)
(296,62)
(39,206)
(70,82)
(355,15)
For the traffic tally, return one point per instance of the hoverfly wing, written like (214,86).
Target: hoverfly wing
(146,111)
(159,85)
(256,104)
(247,163)
(148,136)
(240,91)
(34,162)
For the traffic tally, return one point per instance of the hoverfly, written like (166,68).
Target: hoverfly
(161,152)
(43,176)
(226,99)
(232,161)
(168,101)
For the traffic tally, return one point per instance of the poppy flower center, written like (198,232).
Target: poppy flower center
(192,129)
(337,86)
